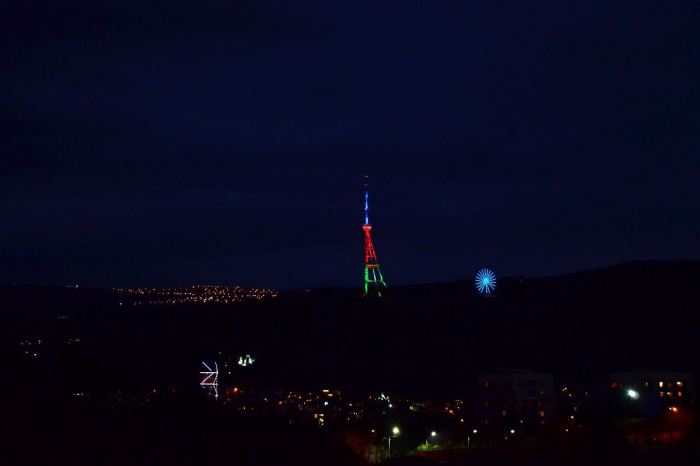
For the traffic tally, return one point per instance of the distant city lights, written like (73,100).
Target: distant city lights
(197,294)
(246,361)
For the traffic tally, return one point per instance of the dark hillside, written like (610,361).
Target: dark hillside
(428,339)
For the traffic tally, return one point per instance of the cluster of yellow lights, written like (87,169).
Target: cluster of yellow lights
(326,405)
(309,402)
(198,294)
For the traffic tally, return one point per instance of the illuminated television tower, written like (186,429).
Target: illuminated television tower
(374,283)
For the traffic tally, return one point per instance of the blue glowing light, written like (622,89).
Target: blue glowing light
(485,281)
(367,207)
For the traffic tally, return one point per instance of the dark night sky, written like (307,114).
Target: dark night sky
(226,142)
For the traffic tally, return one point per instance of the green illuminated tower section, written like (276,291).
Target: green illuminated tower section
(374,283)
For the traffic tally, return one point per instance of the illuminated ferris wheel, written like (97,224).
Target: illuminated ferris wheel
(485,281)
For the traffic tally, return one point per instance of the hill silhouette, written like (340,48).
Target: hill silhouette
(427,340)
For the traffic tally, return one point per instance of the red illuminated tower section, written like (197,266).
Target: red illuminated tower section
(374,283)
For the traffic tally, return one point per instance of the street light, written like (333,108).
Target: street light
(432,434)
(396,432)
(674,411)
(633,394)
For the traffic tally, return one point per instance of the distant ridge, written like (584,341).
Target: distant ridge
(430,338)
(688,265)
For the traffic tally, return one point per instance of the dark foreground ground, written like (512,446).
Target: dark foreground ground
(427,342)
(191,429)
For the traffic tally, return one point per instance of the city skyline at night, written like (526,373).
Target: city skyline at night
(185,275)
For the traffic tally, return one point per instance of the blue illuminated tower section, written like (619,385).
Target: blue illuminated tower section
(374,283)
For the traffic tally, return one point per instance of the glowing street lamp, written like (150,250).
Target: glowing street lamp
(432,434)
(396,432)
(633,394)
(469,438)
(674,410)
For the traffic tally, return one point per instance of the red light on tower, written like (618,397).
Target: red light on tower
(374,283)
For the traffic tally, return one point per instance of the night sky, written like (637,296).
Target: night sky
(226,142)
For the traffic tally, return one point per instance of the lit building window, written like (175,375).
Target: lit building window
(486,385)
(541,413)
(661,384)
(680,384)
(505,413)
(680,393)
